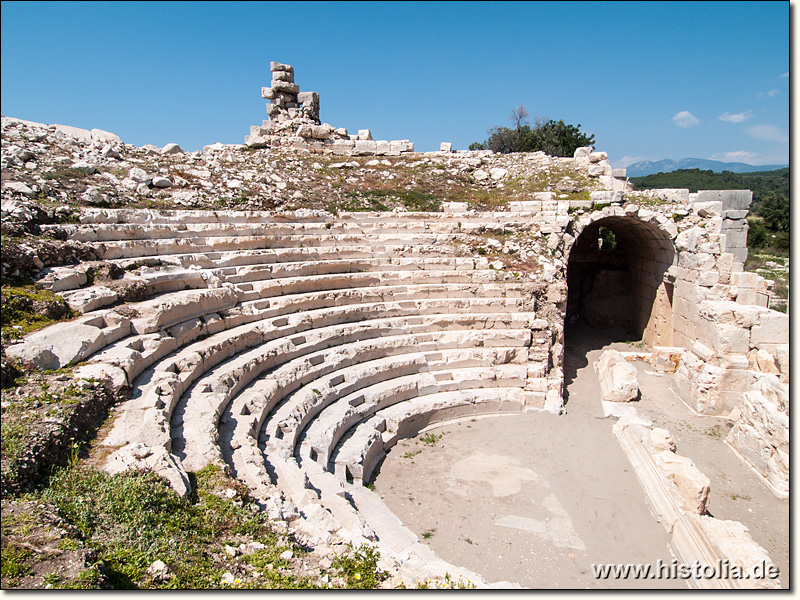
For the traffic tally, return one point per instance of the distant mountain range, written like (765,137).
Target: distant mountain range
(649,167)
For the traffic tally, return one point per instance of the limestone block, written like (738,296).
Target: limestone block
(89,299)
(167,311)
(276,66)
(782,355)
(619,173)
(283,76)
(707,540)
(255,141)
(666,359)
(660,440)
(618,379)
(308,98)
(364,134)
(111,375)
(692,485)
(708,209)
(58,345)
(772,328)
(285,87)
(401,146)
(365,147)
(554,402)
(659,493)
(583,152)
(735,238)
(446,147)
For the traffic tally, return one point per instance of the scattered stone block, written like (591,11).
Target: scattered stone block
(618,379)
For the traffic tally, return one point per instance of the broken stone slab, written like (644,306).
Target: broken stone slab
(665,359)
(318,132)
(618,379)
(711,541)
(111,375)
(692,485)
(163,312)
(141,456)
(58,346)
(285,86)
(364,134)
(761,433)
(276,66)
(89,299)
(659,493)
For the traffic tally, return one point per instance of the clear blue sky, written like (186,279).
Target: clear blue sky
(650,80)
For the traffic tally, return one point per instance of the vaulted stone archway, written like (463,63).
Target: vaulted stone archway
(616,277)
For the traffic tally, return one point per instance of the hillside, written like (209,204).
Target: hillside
(650,167)
(761,182)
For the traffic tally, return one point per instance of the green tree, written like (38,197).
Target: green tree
(555,138)
(774,210)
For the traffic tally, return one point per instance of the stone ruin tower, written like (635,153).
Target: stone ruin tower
(288,105)
(294,122)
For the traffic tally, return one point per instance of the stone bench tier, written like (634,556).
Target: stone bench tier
(364,445)
(195,269)
(314,351)
(323,434)
(390,244)
(178,218)
(314,393)
(251,346)
(282,231)
(232,331)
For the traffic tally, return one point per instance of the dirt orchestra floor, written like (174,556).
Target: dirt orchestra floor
(536,499)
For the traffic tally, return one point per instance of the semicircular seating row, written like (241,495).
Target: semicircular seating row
(296,350)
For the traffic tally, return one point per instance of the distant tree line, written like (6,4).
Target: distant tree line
(769,220)
(555,138)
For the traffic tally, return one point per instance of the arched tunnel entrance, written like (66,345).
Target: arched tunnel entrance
(616,290)
(615,278)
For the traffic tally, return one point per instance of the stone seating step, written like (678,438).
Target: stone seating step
(144,217)
(298,361)
(402,246)
(147,246)
(154,231)
(136,353)
(365,445)
(322,435)
(288,419)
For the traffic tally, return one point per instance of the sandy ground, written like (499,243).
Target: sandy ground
(536,499)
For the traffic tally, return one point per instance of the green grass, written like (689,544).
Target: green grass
(26,308)
(133,518)
(359,568)
(431,439)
